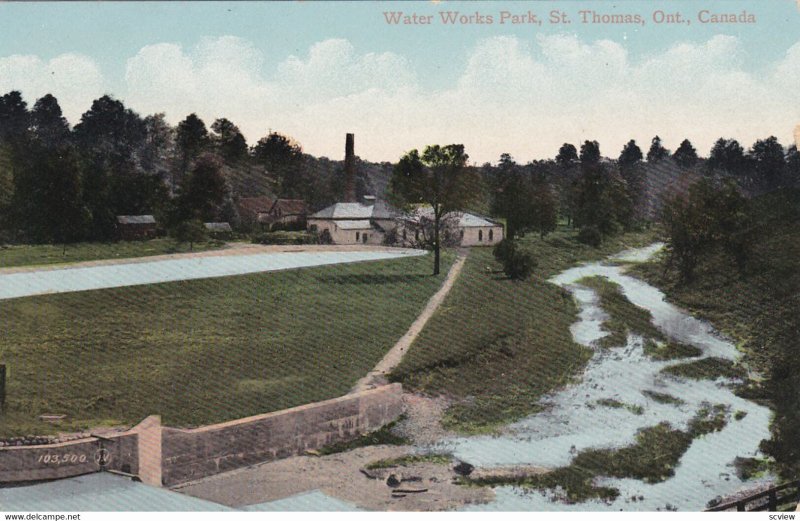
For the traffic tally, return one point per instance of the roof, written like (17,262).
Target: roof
(290,206)
(354,225)
(465,219)
(345,211)
(255,205)
(136,219)
(379,210)
(218,227)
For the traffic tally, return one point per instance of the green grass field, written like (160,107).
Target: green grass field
(495,345)
(205,351)
(48,254)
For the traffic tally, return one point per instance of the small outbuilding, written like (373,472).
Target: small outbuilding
(221,231)
(136,227)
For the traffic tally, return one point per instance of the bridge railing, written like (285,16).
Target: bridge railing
(771,500)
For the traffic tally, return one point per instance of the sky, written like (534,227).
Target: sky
(315,71)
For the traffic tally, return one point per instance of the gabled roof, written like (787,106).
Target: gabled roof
(290,206)
(255,205)
(465,219)
(136,219)
(344,211)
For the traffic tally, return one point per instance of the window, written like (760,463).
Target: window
(416,235)
(358,236)
(491,235)
(461,234)
(404,234)
(365,237)
(480,235)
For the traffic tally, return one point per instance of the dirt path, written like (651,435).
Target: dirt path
(377,376)
(340,476)
(229,249)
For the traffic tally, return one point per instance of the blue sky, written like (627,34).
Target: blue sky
(316,70)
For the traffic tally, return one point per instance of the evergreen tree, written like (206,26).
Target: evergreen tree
(657,151)
(686,155)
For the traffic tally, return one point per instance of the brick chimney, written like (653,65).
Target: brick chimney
(797,136)
(349,169)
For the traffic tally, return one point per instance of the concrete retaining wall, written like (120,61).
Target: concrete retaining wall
(197,453)
(72,458)
(166,456)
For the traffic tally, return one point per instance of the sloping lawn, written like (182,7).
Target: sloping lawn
(205,351)
(496,346)
(47,254)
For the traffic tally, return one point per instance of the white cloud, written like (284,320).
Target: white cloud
(513,95)
(72,78)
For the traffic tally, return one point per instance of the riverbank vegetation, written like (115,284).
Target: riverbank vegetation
(756,304)
(652,458)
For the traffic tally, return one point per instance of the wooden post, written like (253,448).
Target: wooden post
(773,501)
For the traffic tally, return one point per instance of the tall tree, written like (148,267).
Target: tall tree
(282,158)
(229,141)
(544,206)
(657,151)
(767,157)
(205,190)
(511,196)
(48,124)
(590,154)
(191,140)
(630,156)
(47,195)
(111,132)
(686,155)
(631,208)
(438,177)
(14,116)
(567,155)
(793,166)
(159,148)
(727,155)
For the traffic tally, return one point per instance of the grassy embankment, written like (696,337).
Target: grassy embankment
(496,346)
(758,309)
(48,254)
(205,351)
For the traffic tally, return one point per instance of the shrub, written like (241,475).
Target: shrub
(517,265)
(325,237)
(590,235)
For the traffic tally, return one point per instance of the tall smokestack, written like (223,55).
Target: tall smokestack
(797,136)
(349,169)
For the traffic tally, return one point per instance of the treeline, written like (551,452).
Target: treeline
(60,184)
(602,197)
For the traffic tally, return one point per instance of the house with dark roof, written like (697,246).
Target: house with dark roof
(136,227)
(255,210)
(288,213)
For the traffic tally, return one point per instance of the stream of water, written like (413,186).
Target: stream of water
(573,421)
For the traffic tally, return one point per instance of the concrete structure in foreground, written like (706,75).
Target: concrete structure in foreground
(164,456)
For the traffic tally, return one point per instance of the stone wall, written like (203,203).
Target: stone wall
(193,454)
(166,456)
(71,458)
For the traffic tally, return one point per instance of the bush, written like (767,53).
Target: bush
(285,238)
(590,235)
(190,231)
(517,265)
(504,250)
(325,237)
